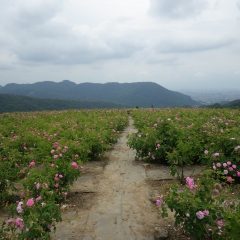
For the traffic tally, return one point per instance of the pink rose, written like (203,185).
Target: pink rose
(32,164)
(229,163)
(224,165)
(56,179)
(230,179)
(19,223)
(200,215)
(225,172)
(30,202)
(206,212)
(190,183)
(19,207)
(218,165)
(74,165)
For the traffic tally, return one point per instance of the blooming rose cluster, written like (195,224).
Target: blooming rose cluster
(228,169)
(202,214)
(58,151)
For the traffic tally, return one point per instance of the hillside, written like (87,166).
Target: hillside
(14,103)
(142,94)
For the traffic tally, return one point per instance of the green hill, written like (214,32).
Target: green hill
(15,103)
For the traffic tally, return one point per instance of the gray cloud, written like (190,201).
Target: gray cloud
(177,8)
(238,4)
(42,39)
(67,47)
(77,40)
(192,45)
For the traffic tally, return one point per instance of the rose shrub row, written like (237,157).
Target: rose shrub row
(40,155)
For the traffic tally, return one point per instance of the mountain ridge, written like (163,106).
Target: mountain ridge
(142,94)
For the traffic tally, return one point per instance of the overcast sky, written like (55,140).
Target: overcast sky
(180,44)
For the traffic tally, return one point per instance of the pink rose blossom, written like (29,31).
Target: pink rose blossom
(30,202)
(190,183)
(229,163)
(216,154)
(19,207)
(32,164)
(238,173)
(74,165)
(224,165)
(206,212)
(218,165)
(225,172)
(56,179)
(214,167)
(230,179)
(19,223)
(234,166)
(230,169)
(200,215)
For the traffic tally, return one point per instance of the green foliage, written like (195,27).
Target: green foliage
(181,137)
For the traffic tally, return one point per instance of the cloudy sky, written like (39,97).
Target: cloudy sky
(180,44)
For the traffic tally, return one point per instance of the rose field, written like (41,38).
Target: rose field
(40,156)
(207,206)
(43,153)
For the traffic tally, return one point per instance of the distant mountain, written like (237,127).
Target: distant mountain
(142,94)
(207,96)
(230,104)
(14,103)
